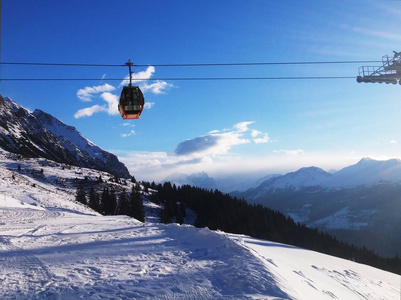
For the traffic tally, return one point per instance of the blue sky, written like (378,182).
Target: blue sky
(220,127)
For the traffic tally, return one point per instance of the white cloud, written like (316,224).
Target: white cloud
(86,93)
(393,142)
(124,135)
(255,133)
(263,140)
(156,88)
(87,112)
(112,103)
(148,105)
(140,76)
(110,108)
(214,143)
(257,139)
(243,126)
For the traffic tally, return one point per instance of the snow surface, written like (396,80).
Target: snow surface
(54,248)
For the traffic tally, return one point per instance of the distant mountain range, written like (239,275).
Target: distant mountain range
(38,134)
(360,204)
(225,184)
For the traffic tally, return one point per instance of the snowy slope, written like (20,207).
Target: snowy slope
(54,248)
(59,254)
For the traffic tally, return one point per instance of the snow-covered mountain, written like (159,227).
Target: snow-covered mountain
(368,172)
(352,203)
(38,134)
(54,248)
(305,177)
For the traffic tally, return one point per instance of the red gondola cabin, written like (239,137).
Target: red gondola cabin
(131,102)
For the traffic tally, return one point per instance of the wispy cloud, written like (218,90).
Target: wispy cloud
(124,135)
(87,112)
(158,87)
(87,93)
(378,33)
(130,126)
(242,126)
(290,152)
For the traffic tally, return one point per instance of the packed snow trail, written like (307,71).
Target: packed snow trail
(72,256)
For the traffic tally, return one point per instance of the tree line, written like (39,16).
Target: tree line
(111,202)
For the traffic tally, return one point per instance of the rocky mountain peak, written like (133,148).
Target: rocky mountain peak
(39,134)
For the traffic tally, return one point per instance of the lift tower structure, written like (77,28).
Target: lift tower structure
(388,72)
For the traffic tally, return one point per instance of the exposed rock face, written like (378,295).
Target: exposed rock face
(39,134)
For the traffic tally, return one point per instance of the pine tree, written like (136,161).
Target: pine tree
(179,218)
(80,195)
(123,204)
(94,200)
(165,216)
(106,207)
(136,203)
(113,203)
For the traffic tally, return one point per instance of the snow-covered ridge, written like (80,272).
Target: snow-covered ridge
(39,134)
(366,172)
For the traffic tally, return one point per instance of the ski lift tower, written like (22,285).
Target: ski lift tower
(388,72)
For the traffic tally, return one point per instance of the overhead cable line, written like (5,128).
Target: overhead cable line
(193,64)
(57,64)
(260,63)
(182,78)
